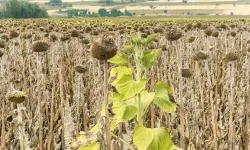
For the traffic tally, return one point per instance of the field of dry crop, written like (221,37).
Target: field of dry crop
(206,64)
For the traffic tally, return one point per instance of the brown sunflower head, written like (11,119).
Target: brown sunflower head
(65,37)
(5,37)
(223,26)
(230,57)
(87,29)
(94,32)
(1,53)
(200,56)
(53,37)
(189,26)
(215,34)
(198,25)
(13,34)
(233,34)
(208,32)
(232,26)
(40,46)
(17,97)
(248,46)
(2,44)
(80,69)
(85,41)
(27,36)
(75,33)
(174,34)
(186,73)
(191,39)
(104,48)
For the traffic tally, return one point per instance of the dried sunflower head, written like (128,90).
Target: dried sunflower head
(13,34)
(208,32)
(1,53)
(2,44)
(233,34)
(104,48)
(75,33)
(40,46)
(17,97)
(248,45)
(65,37)
(200,56)
(230,57)
(186,73)
(174,34)
(80,69)
(191,39)
(53,37)
(85,41)
(215,34)
(5,37)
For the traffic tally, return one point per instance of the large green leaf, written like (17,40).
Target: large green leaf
(149,39)
(119,71)
(150,57)
(112,73)
(93,146)
(94,129)
(119,59)
(162,99)
(146,99)
(127,87)
(152,139)
(160,85)
(123,111)
(136,40)
(128,48)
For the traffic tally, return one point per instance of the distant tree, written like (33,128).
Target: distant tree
(102,12)
(23,9)
(55,2)
(184,1)
(84,11)
(115,13)
(127,13)
(151,6)
(73,13)
(165,11)
(106,1)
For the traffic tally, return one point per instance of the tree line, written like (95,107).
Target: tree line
(22,9)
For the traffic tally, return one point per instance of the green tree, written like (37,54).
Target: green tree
(55,2)
(115,13)
(127,13)
(23,9)
(102,12)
